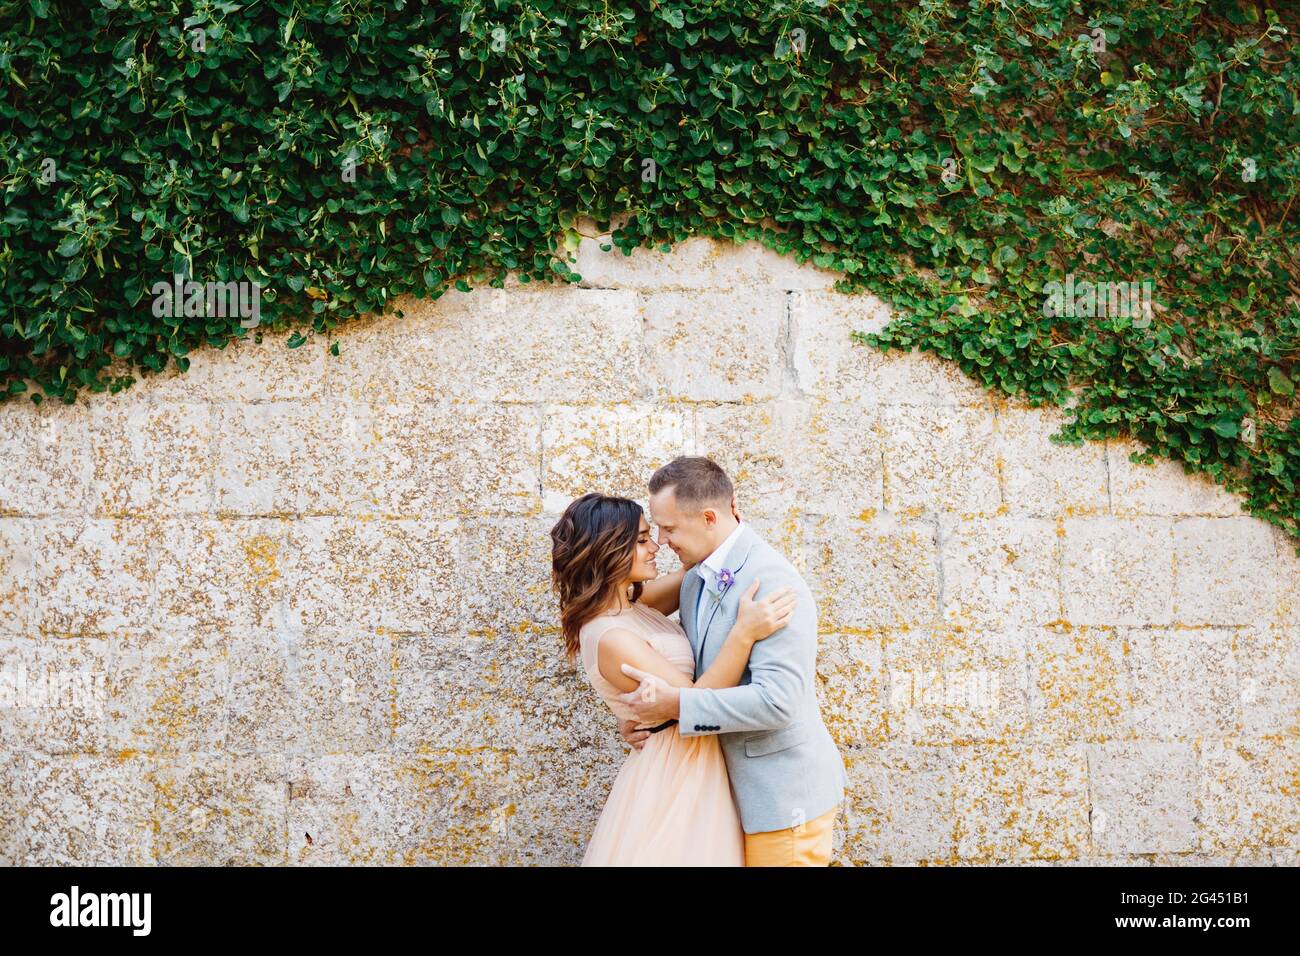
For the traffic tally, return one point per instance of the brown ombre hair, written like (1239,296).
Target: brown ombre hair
(593,548)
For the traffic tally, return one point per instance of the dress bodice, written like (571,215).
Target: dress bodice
(660,632)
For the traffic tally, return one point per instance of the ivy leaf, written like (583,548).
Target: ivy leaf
(1227,427)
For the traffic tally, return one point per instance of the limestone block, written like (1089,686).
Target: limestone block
(218,571)
(266,371)
(340,682)
(939,459)
(785,533)
(610,449)
(823,457)
(714,346)
(93,575)
(438,807)
(950,685)
(261,703)
(546,345)
(1286,611)
(1181,684)
(151,459)
(696,263)
(1225,571)
(46,451)
(281,458)
(1042,477)
(898,808)
(1117,571)
(1078,688)
(839,464)
(399,574)
(1000,572)
(215,809)
(758,446)
(1144,797)
(537,828)
(57,695)
(13,814)
(415,459)
(505,577)
(243,371)
(168,691)
(1163,487)
(17,573)
(876,573)
(481,691)
(852,691)
(828,362)
(1267,666)
(1015,804)
(1247,797)
(88,810)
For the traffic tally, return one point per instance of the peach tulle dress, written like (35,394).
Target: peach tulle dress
(671,803)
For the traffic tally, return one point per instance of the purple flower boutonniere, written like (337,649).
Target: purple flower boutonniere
(725,580)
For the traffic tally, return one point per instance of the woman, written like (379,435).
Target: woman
(671,802)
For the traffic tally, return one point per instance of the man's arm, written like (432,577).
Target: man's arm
(780,673)
(755,620)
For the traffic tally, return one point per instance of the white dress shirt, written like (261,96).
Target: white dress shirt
(708,569)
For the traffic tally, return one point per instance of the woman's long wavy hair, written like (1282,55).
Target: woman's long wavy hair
(593,548)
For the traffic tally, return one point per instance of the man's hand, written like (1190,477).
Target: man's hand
(632,736)
(654,701)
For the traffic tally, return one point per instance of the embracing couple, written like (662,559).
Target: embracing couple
(731,763)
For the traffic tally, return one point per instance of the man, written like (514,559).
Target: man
(786,773)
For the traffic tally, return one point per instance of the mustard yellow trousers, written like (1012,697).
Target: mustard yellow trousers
(806,845)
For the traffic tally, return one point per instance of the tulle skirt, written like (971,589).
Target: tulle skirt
(671,805)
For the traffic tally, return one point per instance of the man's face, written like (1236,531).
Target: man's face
(691,536)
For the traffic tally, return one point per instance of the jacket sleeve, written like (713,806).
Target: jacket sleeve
(780,669)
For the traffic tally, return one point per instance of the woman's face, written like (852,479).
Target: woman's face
(643,566)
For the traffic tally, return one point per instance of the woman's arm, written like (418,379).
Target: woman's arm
(664,593)
(754,621)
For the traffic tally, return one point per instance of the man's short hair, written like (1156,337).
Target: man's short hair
(697,483)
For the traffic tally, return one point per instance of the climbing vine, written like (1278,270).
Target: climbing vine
(1090,205)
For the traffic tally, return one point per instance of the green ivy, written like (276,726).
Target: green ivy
(953,157)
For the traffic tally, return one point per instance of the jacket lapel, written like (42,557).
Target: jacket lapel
(739,554)
(690,605)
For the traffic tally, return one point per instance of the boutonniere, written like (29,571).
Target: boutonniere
(725,580)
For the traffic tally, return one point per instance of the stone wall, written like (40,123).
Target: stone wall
(310,593)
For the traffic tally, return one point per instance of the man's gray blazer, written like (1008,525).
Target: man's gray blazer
(783,763)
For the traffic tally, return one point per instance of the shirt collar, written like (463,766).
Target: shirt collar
(716,561)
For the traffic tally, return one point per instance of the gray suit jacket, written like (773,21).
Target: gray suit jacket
(783,763)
